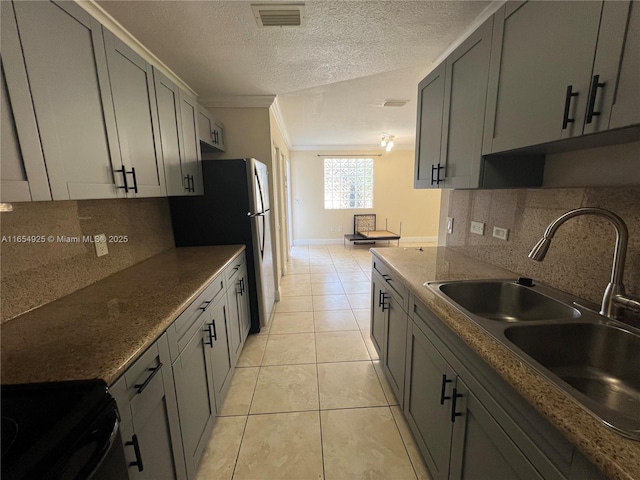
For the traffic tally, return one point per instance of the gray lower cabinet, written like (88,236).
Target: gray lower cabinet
(238,303)
(150,426)
(217,326)
(389,321)
(377,325)
(195,392)
(66,67)
(134,101)
(457,435)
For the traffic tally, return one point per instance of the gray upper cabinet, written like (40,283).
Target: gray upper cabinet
(191,163)
(168,103)
(428,169)
(451,111)
(466,78)
(211,133)
(23,174)
(134,102)
(625,108)
(541,65)
(67,73)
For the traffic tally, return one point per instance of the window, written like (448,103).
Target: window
(348,183)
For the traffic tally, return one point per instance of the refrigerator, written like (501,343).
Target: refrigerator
(233,210)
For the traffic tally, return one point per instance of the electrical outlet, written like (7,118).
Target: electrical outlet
(332,229)
(477,228)
(339,228)
(449,225)
(501,233)
(100,242)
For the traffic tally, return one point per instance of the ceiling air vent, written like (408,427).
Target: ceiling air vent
(279,15)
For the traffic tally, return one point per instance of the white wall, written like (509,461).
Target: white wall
(394,198)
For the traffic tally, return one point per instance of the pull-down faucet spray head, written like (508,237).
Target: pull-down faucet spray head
(614,295)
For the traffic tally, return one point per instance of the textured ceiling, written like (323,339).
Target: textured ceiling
(328,72)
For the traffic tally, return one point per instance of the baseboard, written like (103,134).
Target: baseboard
(338,241)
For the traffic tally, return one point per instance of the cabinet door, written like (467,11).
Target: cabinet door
(23,177)
(67,71)
(148,404)
(541,62)
(195,393)
(429,383)
(218,136)
(626,103)
(480,449)
(235,322)
(428,169)
(467,76)
(395,345)
(205,126)
(427,401)
(378,316)
(168,102)
(218,354)
(245,313)
(134,98)
(191,165)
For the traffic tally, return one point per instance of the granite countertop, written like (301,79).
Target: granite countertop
(616,456)
(98,331)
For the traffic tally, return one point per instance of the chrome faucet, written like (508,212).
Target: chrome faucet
(614,297)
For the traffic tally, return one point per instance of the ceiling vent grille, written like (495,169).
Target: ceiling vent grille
(279,15)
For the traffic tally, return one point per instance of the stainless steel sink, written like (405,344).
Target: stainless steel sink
(506,301)
(600,361)
(592,358)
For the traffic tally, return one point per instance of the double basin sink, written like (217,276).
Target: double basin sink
(592,358)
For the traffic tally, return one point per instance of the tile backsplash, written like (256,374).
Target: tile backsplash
(581,254)
(36,273)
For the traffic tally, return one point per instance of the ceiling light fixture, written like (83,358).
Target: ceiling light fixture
(387,141)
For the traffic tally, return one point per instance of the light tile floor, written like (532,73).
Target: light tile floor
(308,399)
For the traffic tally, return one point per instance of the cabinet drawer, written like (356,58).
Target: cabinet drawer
(234,269)
(144,375)
(181,331)
(394,286)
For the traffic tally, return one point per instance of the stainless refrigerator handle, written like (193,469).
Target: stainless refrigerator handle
(259,214)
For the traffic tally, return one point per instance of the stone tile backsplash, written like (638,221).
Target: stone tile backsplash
(36,273)
(581,254)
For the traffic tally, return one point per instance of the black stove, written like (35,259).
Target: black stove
(61,430)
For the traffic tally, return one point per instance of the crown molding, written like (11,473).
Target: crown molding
(238,101)
(369,149)
(115,27)
(277,116)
